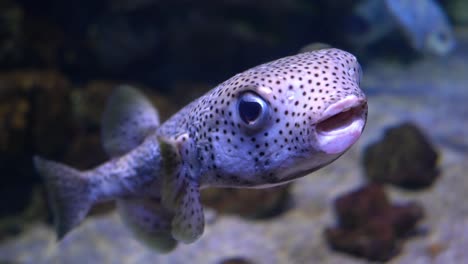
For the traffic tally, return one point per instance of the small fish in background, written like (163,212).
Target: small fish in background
(423,22)
(263,127)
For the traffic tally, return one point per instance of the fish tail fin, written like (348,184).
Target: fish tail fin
(68,192)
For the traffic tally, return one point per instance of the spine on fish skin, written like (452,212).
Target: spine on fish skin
(68,192)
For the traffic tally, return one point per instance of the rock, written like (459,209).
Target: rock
(404,158)
(404,218)
(369,226)
(435,249)
(249,203)
(236,260)
(354,209)
(375,241)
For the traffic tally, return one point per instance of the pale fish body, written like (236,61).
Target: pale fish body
(266,126)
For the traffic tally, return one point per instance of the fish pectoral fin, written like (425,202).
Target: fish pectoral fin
(68,192)
(180,190)
(127,119)
(176,167)
(188,222)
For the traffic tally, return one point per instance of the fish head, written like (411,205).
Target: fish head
(287,118)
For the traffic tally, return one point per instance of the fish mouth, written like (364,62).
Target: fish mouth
(341,125)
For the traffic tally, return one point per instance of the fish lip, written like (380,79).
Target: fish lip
(342,106)
(341,124)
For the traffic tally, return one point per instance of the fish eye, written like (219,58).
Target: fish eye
(253,110)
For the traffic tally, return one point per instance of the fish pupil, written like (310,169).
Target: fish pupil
(249,111)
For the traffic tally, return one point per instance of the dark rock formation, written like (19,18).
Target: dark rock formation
(236,260)
(404,157)
(369,226)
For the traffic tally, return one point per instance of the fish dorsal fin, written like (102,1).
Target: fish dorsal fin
(180,190)
(128,118)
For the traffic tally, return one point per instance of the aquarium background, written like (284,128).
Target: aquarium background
(60,60)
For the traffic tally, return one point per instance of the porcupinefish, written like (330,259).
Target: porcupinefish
(263,127)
